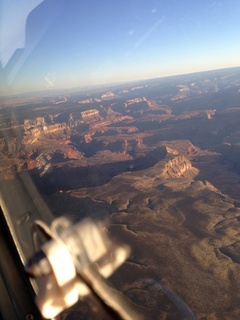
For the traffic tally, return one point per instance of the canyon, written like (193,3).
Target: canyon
(157,161)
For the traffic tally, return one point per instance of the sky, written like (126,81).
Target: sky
(47,44)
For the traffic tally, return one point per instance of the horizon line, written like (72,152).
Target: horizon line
(120,82)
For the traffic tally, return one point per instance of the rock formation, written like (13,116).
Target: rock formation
(177,167)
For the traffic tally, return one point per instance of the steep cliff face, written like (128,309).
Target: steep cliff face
(71,122)
(88,137)
(177,167)
(54,127)
(136,100)
(28,124)
(108,121)
(110,113)
(171,151)
(108,95)
(32,135)
(91,115)
(10,146)
(154,106)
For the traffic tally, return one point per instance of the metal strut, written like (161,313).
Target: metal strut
(73,263)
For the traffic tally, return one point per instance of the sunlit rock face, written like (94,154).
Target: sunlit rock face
(159,163)
(54,127)
(107,95)
(89,116)
(176,167)
(28,124)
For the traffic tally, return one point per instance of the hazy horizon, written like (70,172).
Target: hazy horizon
(87,44)
(109,84)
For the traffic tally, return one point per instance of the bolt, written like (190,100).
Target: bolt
(29,316)
(23,218)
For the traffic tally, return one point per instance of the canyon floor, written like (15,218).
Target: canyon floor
(158,162)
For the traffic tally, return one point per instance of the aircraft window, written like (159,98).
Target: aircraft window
(128,113)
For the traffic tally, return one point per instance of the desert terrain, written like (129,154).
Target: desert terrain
(158,162)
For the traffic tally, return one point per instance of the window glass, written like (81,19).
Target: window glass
(128,112)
